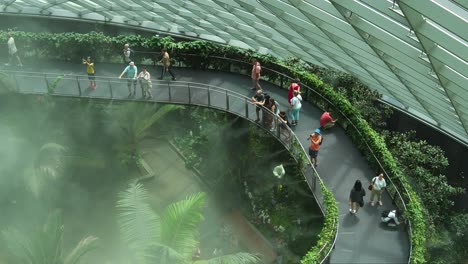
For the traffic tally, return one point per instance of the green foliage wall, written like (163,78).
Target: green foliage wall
(73,46)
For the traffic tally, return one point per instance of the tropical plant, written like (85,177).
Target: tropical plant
(45,244)
(130,124)
(169,238)
(424,164)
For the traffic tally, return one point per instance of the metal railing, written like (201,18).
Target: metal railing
(310,94)
(177,92)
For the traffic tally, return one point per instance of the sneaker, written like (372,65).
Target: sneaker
(380,203)
(93,86)
(149,97)
(129,95)
(350,211)
(354,211)
(173,78)
(371,203)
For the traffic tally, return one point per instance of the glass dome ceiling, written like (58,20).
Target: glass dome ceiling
(413,52)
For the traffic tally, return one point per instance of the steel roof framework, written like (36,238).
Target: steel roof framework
(414,52)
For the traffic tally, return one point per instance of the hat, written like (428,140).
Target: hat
(317,131)
(132,63)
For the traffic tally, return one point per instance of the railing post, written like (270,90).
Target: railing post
(314,180)
(47,82)
(170,96)
(246,109)
(394,197)
(189,94)
(227,101)
(209,97)
(110,90)
(79,86)
(16,82)
(278,127)
(281,81)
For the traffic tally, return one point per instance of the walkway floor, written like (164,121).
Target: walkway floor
(361,238)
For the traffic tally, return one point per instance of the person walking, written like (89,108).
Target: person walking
(166,65)
(326,121)
(12,51)
(145,83)
(256,69)
(294,86)
(256,99)
(315,143)
(356,197)
(127,54)
(131,72)
(378,184)
(90,71)
(295,107)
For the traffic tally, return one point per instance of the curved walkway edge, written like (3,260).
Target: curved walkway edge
(361,238)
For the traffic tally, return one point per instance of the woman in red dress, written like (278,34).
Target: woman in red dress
(293,87)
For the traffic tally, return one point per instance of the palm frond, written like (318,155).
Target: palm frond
(238,258)
(180,223)
(42,246)
(19,245)
(162,254)
(138,223)
(146,123)
(51,237)
(84,246)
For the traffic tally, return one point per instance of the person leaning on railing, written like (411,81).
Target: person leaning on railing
(131,71)
(145,83)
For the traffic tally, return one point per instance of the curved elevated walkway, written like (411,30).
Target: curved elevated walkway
(361,238)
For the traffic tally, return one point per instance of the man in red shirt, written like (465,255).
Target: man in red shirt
(326,121)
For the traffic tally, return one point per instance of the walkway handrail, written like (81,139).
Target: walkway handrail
(283,76)
(289,141)
(397,192)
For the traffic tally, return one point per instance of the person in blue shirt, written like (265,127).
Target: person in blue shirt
(131,76)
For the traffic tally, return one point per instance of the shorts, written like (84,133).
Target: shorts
(313,153)
(91,77)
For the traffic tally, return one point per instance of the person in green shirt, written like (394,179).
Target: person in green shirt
(131,75)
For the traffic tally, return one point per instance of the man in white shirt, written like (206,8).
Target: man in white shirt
(12,50)
(145,83)
(127,54)
(378,184)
